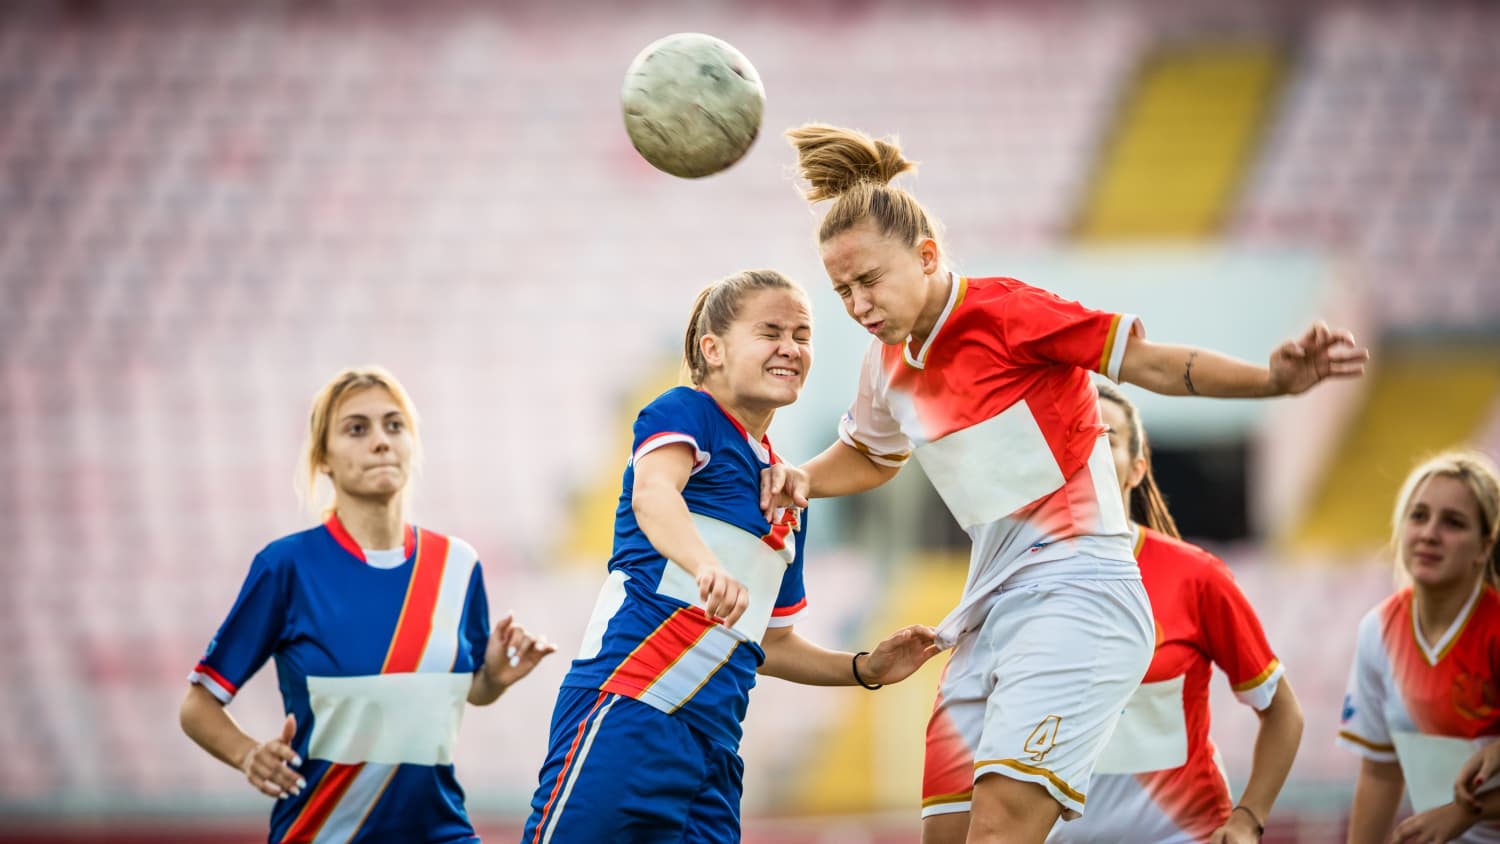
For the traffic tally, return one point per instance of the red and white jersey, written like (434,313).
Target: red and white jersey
(1426,705)
(999,409)
(1160,779)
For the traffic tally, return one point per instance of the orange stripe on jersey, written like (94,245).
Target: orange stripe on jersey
(1259,678)
(414,624)
(1017,765)
(657,653)
(945,799)
(898,457)
(319,806)
(1109,344)
(1364,742)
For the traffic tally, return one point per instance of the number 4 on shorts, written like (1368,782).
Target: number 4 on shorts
(1043,738)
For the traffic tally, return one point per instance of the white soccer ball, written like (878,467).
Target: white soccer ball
(692,104)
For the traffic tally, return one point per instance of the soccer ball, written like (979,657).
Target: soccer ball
(692,104)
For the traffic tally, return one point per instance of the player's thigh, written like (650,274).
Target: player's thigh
(1066,656)
(1011,811)
(616,770)
(714,817)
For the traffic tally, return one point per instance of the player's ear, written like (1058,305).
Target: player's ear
(713,350)
(929,254)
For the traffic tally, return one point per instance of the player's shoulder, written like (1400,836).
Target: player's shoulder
(679,401)
(289,550)
(457,547)
(1392,611)
(1185,557)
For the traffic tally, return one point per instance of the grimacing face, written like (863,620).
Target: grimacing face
(370,445)
(1441,543)
(881,281)
(762,360)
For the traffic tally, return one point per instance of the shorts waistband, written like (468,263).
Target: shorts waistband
(1082,568)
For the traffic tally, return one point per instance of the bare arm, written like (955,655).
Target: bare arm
(793,658)
(839,470)
(1275,747)
(265,764)
(1295,366)
(656,498)
(1376,796)
(843,470)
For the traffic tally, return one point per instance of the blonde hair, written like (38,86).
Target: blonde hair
(1477,472)
(854,170)
(320,424)
(717,307)
(1147,505)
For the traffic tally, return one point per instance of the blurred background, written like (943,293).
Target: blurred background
(206,209)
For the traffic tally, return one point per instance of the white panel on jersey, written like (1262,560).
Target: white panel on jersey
(389,718)
(752,562)
(447,612)
(1151,734)
(987,471)
(677,685)
(1107,490)
(611,598)
(1430,764)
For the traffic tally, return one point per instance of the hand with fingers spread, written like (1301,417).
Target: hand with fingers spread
(1320,353)
(1480,769)
(782,485)
(513,651)
(270,765)
(723,597)
(900,655)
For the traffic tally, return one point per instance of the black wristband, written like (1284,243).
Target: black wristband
(854,664)
(1260,828)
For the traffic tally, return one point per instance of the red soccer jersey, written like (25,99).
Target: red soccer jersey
(1160,779)
(1000,411)
(1426,705)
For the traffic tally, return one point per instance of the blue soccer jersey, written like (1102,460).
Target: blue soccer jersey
(375,662)
(649,638)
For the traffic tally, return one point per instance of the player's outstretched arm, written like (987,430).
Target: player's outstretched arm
(840,470)
(656,498)
(1295,366)
(267,765)
(791,657)
(509,655)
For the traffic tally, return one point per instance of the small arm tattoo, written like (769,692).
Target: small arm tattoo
(1187,375)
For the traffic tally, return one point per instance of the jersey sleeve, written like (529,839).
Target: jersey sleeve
(791,601)
(1039,328)
(1362,725)
(1236,641)
(475,627)
(869,426)
(250,633)
(673,417)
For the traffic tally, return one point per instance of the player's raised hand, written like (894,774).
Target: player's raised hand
(782,485)
(269,765)
(512,651)
(723,596)
(1320,353)
(900,655)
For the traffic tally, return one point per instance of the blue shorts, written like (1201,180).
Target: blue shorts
(618,770)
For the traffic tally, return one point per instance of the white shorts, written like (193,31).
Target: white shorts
(1034,693)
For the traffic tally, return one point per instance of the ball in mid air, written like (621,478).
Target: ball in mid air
(692,104)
